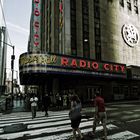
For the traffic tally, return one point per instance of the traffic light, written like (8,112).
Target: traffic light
(12,61)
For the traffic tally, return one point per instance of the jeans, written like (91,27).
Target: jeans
(101,117)
(33,109)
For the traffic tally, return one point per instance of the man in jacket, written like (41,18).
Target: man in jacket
(46,103)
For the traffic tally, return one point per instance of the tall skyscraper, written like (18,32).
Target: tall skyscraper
(84,46)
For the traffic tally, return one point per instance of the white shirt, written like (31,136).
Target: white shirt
(33,101)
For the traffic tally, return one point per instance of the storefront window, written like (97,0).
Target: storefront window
(117,92)
(135,92)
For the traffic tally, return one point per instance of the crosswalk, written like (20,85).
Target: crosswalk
(54,127)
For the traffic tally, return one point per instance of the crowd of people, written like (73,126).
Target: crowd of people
(75,112)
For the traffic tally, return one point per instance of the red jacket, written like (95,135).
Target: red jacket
(99,102)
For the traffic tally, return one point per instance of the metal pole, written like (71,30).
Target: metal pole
(12,68)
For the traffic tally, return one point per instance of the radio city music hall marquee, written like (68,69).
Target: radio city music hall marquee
(69,63)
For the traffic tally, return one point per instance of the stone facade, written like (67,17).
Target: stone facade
(114,48)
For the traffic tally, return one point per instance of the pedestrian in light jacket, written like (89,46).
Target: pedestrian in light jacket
(33,101)
(75,115)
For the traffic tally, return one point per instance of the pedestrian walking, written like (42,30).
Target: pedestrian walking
(100,114)
(33,101)
(75,115)
(46,103)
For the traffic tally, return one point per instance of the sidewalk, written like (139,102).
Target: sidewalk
(2,103)
(19,106)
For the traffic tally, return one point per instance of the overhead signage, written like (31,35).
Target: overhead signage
(36,14)
(69,64)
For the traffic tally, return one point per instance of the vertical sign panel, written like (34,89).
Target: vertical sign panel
(36,24)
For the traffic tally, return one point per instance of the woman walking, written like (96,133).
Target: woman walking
(75,116)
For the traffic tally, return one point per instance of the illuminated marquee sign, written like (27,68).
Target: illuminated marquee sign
(36,24)
(45,62)
(91,65)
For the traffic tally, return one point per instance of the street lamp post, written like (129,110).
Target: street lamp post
(12,68)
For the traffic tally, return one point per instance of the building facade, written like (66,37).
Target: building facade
(3,50)
(84,46)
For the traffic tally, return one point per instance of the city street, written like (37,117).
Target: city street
(64,59)
(123,124)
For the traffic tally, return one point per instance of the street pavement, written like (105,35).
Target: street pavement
(123,124)
(57,125)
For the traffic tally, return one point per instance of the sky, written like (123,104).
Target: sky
(17,15)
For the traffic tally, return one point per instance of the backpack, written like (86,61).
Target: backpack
(76,112)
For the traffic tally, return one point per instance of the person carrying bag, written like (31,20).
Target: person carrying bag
(75,115)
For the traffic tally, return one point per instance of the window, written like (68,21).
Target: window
(96,1)
(129,5)
(96,12)
(73,28)
(86,53)
(85,20)
(136,6)
(86,28)
(74,51)
(136,9)
(73,5)
(97,31)
(122,3)
(135,2)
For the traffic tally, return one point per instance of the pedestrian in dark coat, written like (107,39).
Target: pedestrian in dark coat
(46,103)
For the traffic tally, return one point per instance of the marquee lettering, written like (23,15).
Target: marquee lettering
(64,61)
(36,36)
(88,64)
(122,68)
(36,12)
(91,65)
(106,66)
(36,1)
(36,23)
(115,68)
(38,59)
(69,62)
(74,63)
(95,65)
(82,63)
(36,43)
